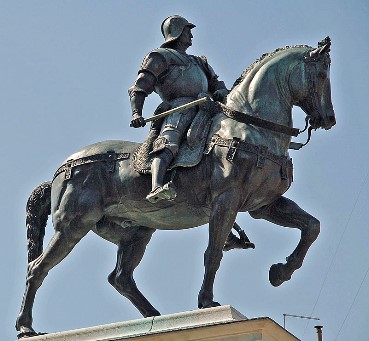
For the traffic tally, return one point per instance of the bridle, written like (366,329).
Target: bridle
(310,105)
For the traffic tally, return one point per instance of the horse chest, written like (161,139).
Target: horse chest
(257,181)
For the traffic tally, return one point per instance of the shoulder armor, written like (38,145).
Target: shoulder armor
(154,63)
(172,57)
(158,61)
(203,62)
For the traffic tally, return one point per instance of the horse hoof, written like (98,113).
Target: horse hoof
(24,335)
(152,313)
(277,275)
(209,304)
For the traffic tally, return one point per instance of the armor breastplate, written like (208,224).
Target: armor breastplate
(185,80)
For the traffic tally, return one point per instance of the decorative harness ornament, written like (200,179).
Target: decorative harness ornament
(110,158)
(261,152)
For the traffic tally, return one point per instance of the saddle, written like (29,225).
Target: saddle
(190,150)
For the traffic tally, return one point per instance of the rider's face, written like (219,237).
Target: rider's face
(186,37)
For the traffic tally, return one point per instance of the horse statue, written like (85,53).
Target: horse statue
(245,168)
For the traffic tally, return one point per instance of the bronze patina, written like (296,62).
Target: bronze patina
(245,168)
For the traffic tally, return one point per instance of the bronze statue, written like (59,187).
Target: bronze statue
(178,78)
(244,166)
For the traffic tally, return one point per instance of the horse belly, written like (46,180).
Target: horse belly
(161,216)
(131,208)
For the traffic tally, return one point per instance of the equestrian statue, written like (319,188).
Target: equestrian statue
(210,154)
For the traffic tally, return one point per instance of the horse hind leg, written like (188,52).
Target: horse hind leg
(59,247)
(131,249)
(72,220)
(285,212)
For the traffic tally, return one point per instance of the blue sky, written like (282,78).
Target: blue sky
(65,67)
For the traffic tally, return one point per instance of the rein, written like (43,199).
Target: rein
(259,122)
(310,60)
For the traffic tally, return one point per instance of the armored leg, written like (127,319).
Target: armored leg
(166,148)
(158,169)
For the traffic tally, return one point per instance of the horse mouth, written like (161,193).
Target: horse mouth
(331,122)
(324,123)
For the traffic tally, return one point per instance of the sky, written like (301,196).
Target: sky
(65,67)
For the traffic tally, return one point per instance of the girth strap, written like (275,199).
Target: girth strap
(109,158)
(261,151)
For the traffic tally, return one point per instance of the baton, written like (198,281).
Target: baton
(177,109)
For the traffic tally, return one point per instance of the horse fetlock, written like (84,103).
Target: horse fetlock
(150,313)
(294,262)
(208,304)
(27,334)
(23,324)
(205,299)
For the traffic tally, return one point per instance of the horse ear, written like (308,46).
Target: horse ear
(325,49)
(324,45)
(315,53)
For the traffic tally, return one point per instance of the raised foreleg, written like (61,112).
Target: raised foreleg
(285,212)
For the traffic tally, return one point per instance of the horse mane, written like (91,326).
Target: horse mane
(259,60)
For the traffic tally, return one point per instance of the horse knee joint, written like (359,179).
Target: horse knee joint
(314,226)
(213,255)
(124,284)
(256,214)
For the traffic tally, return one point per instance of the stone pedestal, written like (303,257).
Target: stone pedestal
(220,323)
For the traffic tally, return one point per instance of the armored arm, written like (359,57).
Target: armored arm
(152,67)
(217,88)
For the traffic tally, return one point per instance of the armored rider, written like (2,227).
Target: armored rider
(178,78)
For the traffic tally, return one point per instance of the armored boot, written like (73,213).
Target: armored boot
(158,169)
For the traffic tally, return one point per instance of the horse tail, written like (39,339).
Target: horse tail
(37,212)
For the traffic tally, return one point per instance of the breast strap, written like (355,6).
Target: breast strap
(261,151)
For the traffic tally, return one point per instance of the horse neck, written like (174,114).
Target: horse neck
(263,93)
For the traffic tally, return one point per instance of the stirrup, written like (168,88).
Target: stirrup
(167,192)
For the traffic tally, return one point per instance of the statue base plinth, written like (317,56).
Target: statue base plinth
(219,323)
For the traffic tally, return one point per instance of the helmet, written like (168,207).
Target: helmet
(172,27)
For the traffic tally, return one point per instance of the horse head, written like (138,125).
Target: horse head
(310,86)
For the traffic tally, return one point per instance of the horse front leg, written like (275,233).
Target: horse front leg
(222,217)
(285,212)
